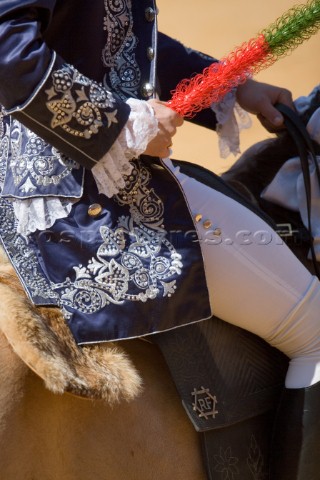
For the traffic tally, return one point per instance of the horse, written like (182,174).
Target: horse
(110,411)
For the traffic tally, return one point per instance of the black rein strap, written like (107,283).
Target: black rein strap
(306,151)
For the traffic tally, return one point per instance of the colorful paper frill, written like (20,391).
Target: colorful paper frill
(294,27)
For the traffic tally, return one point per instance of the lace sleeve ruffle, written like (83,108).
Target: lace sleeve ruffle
(140,129)
(231,119)
(40,213)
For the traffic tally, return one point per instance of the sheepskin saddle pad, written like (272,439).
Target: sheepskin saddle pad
(41,338)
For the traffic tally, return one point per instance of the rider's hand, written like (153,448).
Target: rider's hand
(168,121)
(260,98)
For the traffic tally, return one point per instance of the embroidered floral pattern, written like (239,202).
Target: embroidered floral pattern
(226,464)
(32,162)
(256,461)
(24,259)
(21,254)
(118,54)
(79,105)
(135,261)
(1,121)
(4,150)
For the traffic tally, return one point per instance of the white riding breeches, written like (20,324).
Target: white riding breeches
(255,281)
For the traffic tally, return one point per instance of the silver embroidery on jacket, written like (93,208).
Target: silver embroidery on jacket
(20,253)
(24,259)
(1,121)
(135,261)
(32,161)
(78,105)
(118,54)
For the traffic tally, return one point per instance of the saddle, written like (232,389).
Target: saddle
(230,383)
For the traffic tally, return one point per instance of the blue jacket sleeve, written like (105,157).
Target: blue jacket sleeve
(176,62)
(67,109)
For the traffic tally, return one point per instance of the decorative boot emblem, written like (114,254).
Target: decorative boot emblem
(204,403)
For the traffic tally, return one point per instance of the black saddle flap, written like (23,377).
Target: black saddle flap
(223,373)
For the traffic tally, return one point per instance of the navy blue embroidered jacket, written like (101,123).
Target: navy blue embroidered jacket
(66,70)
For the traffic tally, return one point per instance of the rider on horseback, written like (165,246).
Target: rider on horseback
(110,243)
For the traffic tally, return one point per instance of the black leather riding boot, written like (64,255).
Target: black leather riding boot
(296,443)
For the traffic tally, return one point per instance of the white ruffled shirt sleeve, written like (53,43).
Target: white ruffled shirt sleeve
(140,129)
(231,119)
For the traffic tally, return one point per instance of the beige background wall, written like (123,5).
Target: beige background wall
(216,27)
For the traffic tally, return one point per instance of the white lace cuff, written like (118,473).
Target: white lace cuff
(231,119)
(140,129)
(40,213)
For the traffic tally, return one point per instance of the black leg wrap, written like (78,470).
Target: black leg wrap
(296,441)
